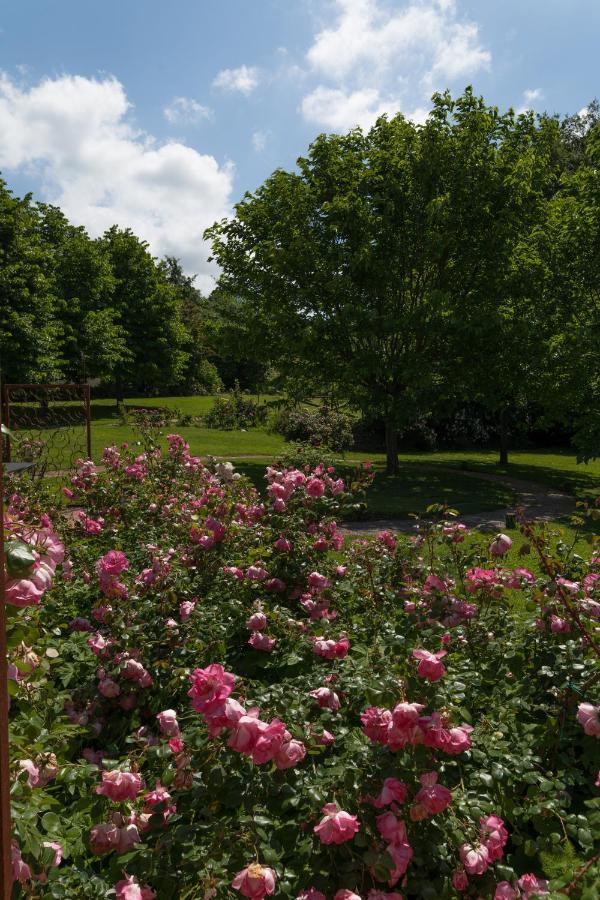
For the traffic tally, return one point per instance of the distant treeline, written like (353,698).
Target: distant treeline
(73,307)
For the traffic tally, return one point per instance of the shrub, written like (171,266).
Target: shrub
(211,692)
(322,428)
(236,411)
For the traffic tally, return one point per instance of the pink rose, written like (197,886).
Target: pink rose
(433,798)
(168,724)
(311,894)
(430,665)
(104,838)
(20,869)
(532,885)
(391,829)
(500,545)
(494,835)
(505,891)
(119,786)
(337,826)
(326,698)
(256,573)
(588,717)
(130,889)
(244,734)
(261,641)
(460,880)
(22,592)
(346,895)
(58,851)
(109,688)
(290,754)
(112,563)
(318,582)
(393,791)
(315,488)
(268,741)
(475,859)
(256,622)
(255,881)
(210,686)
(283,544)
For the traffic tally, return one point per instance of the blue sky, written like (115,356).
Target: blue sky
(160,115)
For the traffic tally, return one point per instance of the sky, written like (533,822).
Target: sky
(159,115)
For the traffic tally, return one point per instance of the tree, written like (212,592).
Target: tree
(29,329)
(563,255)
(382,265)
(93,340)
(345,261)
(503,168)
(149,311)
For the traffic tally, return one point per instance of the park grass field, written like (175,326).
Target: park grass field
(424,477)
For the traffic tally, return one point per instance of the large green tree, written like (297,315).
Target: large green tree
(381,264)
(149,310)
(29,327)
(93,339)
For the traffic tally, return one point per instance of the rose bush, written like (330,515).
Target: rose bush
(214,694)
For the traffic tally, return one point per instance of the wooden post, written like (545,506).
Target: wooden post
(88,419)
(5,827)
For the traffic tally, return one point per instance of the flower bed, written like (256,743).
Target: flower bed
(215,694)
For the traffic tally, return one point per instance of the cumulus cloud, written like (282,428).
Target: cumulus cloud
(530,96)
(185,110)
(75,135)
(259,141)
(378,57)
(242,80)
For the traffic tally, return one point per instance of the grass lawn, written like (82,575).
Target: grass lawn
(424,477)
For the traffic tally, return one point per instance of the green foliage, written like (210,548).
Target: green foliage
(235,412)
(323,427)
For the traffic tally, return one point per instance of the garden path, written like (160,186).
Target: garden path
(537,502)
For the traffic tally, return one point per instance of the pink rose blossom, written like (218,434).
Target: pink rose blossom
(130,889)
(311,894)
(167,721)
(433,798)
(210,686)
(531,885)
(290,754)
(430,665)
(393,791)
(460,880)
(315,488)
(505,891)
(475,859)
(257,621)
(588,717)
(337,826)
(120,786)
(255,881)
(326,698)
(500,545)
(261,641)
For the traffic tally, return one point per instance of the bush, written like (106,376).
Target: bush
(209,687)
(321,428)
(236,411)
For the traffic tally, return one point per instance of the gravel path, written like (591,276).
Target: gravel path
(538,502)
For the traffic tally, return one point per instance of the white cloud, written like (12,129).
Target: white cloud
(243,79)
(336,109)
(382,57)
(186,110)
(73,133)
(530,95)
(259,141)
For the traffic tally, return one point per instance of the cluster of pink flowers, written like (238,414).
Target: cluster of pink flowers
(108,569)
(22,872)
(404,725)
(213,533)
(330,649)
(476,858)
(261,741)
(527,886)
(431,799)
(48,552)
(282,484)
(120,833)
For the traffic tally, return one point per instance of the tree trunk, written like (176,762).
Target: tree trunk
(119,389)
(503,438)
(391,447)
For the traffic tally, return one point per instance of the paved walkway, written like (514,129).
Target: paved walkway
(538,502)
